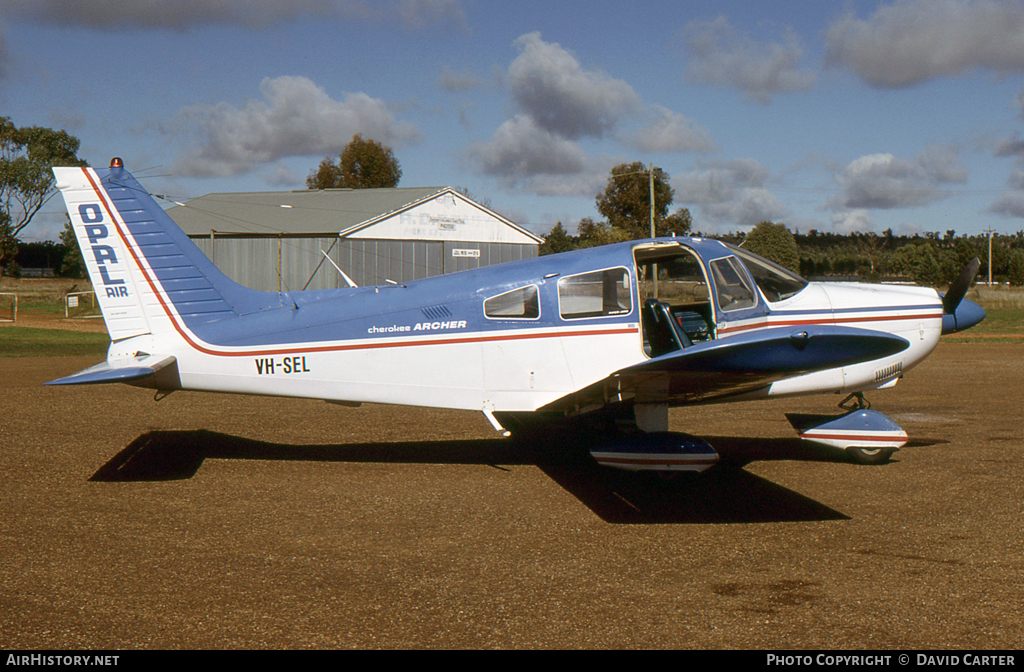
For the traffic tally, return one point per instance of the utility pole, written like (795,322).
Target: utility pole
(650,172)
(989,232)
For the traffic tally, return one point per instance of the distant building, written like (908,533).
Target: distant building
(276,241)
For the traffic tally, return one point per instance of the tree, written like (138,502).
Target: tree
(26,181)
(72,265)
(626,202)
(1017,267)
(775,243)
(929,272)
(363,164)
(592,234)
(678,223)
(8,243)
(557,241)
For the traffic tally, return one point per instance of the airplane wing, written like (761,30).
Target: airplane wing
(118,371)
(734,365)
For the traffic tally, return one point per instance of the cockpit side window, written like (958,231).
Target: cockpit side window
(731,284)
(774,281)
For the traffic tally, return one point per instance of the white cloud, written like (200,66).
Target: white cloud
(454,81)
(520,149)
(420,13)
(729,194)
(884,181)
(672,132)
(459,81)
(5,57)
(560,104)
(1017,179)
(1011,147)
(538,149)
(297,118)
(282,177)
(942,163)
(251,14)
(549,84)
(912,41)
(720,180)
(851,221)
(722,56)
(1009,204)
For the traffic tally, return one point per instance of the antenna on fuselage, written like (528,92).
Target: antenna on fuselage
(347,279)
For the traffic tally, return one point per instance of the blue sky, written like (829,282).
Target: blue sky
(857,116)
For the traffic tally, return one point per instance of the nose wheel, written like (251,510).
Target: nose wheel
(862,455)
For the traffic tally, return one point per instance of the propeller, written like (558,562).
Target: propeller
(959,288)
(958,314)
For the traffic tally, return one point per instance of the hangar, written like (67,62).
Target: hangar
(312,239)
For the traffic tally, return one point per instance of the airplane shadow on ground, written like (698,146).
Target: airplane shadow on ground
(724,494)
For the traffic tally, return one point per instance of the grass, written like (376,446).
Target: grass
(31,342)
(44,297)
(1004,316)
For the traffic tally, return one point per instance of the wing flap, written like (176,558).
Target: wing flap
(118,371)
(736,364)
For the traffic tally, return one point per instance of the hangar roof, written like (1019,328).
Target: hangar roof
(325,212)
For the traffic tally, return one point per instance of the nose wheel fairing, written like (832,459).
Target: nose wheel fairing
(867,436)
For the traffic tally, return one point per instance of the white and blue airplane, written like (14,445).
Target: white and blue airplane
(602,340)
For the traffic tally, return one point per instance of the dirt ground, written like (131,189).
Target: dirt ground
(216,521)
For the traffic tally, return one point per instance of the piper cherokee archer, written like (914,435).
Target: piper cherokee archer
(622,331)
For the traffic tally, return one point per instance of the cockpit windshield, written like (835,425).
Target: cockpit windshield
(774,281)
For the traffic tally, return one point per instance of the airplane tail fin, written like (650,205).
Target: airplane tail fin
(148,276)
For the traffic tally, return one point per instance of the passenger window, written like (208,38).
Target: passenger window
(519,304)
(734,290)
(597,294)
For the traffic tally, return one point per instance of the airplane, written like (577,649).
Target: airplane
(599,341)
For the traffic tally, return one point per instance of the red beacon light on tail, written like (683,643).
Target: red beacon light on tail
(116,162)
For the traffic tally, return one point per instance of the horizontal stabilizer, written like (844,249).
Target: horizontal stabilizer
(119,371)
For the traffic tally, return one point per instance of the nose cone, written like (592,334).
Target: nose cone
(966,315)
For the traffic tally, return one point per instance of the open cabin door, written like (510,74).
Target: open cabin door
(675,300)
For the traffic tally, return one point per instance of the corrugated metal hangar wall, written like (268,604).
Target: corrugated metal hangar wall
(276,241)
(282,263)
